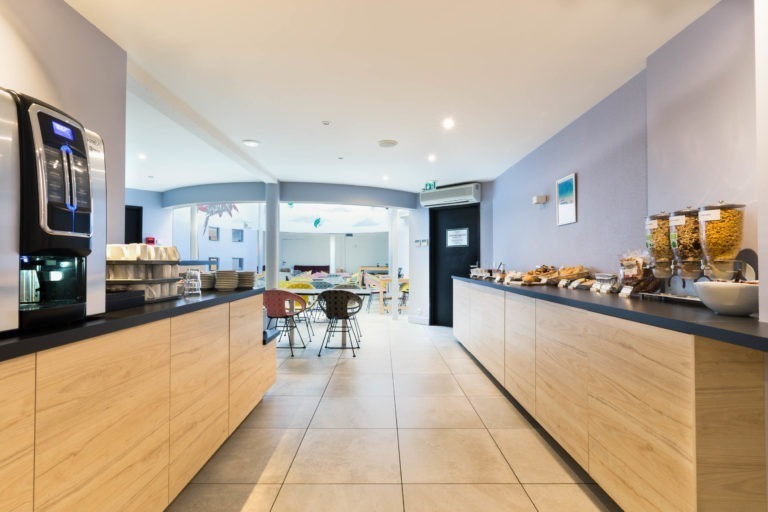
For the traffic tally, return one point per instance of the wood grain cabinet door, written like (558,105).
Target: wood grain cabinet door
(252,365)
(17,433)
(461,292)
(199,391)
(101,433)
(520,349)
(562,373)
(487,329)
(641,404)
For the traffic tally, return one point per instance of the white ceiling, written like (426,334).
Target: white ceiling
(512,73)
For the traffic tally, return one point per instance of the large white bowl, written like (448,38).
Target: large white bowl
(728,298)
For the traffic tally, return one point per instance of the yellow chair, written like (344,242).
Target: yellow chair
(310,300)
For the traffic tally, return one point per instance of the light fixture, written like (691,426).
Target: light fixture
(449,123)
(387,143)
(325,123)
(251,143)
(385,178)
(150,177)
(432,157)
(142,156)
(340,157)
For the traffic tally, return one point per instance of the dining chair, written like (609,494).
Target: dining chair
(284,305)
(378,289)
(340,306)
(355,323)
(307,314)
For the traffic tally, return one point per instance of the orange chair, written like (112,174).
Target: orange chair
(286,306)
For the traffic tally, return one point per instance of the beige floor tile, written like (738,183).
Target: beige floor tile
(498,412)
(225,498)
(276,411)
(477,384)
(462,365)
(419,364)
(339,498)
(436,412)
(360,384)
(532,458)
(303,365)
(452,351)
(290,384)
(452,456)
(423,384)
(347,456)
(363,365)
(355,412)
(570,497)
(252,456)
(466,498)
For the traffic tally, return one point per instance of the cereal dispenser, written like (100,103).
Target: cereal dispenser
(657,241)
(685,242)
(721,228)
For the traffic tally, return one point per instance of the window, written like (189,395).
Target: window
(213,234)
(237,263)
(237,235)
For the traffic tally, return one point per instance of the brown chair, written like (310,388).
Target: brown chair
(340,306)
(286,306)
(350,286)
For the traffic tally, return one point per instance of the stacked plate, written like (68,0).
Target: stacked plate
(246,279)
(226,280)
(206,281)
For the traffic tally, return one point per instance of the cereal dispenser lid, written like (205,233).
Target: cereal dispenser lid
(660,215)
(689,210)
(722,205)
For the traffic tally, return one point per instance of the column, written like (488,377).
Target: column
(272,240)
(761,78)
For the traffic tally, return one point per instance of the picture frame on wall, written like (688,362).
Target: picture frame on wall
(566,199)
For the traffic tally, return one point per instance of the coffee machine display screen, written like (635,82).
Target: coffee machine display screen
(62,130)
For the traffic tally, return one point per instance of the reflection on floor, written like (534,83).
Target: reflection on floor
(410,424)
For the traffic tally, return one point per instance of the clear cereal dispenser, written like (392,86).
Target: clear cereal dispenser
(721,229)
(658,243)
(685,241)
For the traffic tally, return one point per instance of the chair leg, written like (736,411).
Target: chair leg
(326,336)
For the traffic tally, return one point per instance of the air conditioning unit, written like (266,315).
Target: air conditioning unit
(446,196)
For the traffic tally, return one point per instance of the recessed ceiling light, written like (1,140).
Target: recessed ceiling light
(449,123)
(142,156)
(340,157)
(251,143)
(150,177)
(385,178)
(432,157)
(387,143)
(325,123)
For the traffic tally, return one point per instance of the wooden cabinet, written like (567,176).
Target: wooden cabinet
(562,374)
(461,301)
(520,349)
(641,414)
(486,311)
(252,365)
(199,391)
(17,424)
(101,427)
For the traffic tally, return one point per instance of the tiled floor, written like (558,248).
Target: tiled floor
(410,424)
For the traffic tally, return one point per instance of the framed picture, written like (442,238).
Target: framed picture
(566,200)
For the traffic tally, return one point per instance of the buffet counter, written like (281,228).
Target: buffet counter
(121,411)
(663,404)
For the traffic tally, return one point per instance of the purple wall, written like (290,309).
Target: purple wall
(606,147)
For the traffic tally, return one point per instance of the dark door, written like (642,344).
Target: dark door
(454,234)
(133,224)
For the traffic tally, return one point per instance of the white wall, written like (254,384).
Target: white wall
(156,220)
(352,252)
(761,166)
(418,266)
(49,51)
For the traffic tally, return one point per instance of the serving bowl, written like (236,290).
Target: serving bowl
(728,298)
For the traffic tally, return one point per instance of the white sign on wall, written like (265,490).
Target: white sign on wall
(457,237)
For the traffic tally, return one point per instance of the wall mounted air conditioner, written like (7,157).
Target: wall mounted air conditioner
(446,196)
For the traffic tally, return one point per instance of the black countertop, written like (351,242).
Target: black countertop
(690,319)
(15,344)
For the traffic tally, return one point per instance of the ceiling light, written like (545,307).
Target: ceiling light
(387,143)
(340,157)
(251,143)
(385,178)
(432,157)
(325,123)
(449,123)
(142,156)
(150,177)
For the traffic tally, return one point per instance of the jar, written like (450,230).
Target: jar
(685,242)
(657,240)
(721,229)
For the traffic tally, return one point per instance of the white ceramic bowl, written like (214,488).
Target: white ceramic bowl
(728,298)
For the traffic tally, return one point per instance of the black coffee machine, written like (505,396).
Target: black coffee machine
(62,216)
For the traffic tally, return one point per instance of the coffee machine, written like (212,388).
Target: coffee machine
(53,245)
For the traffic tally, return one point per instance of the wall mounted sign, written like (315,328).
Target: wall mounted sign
(457,237)
(566,200)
